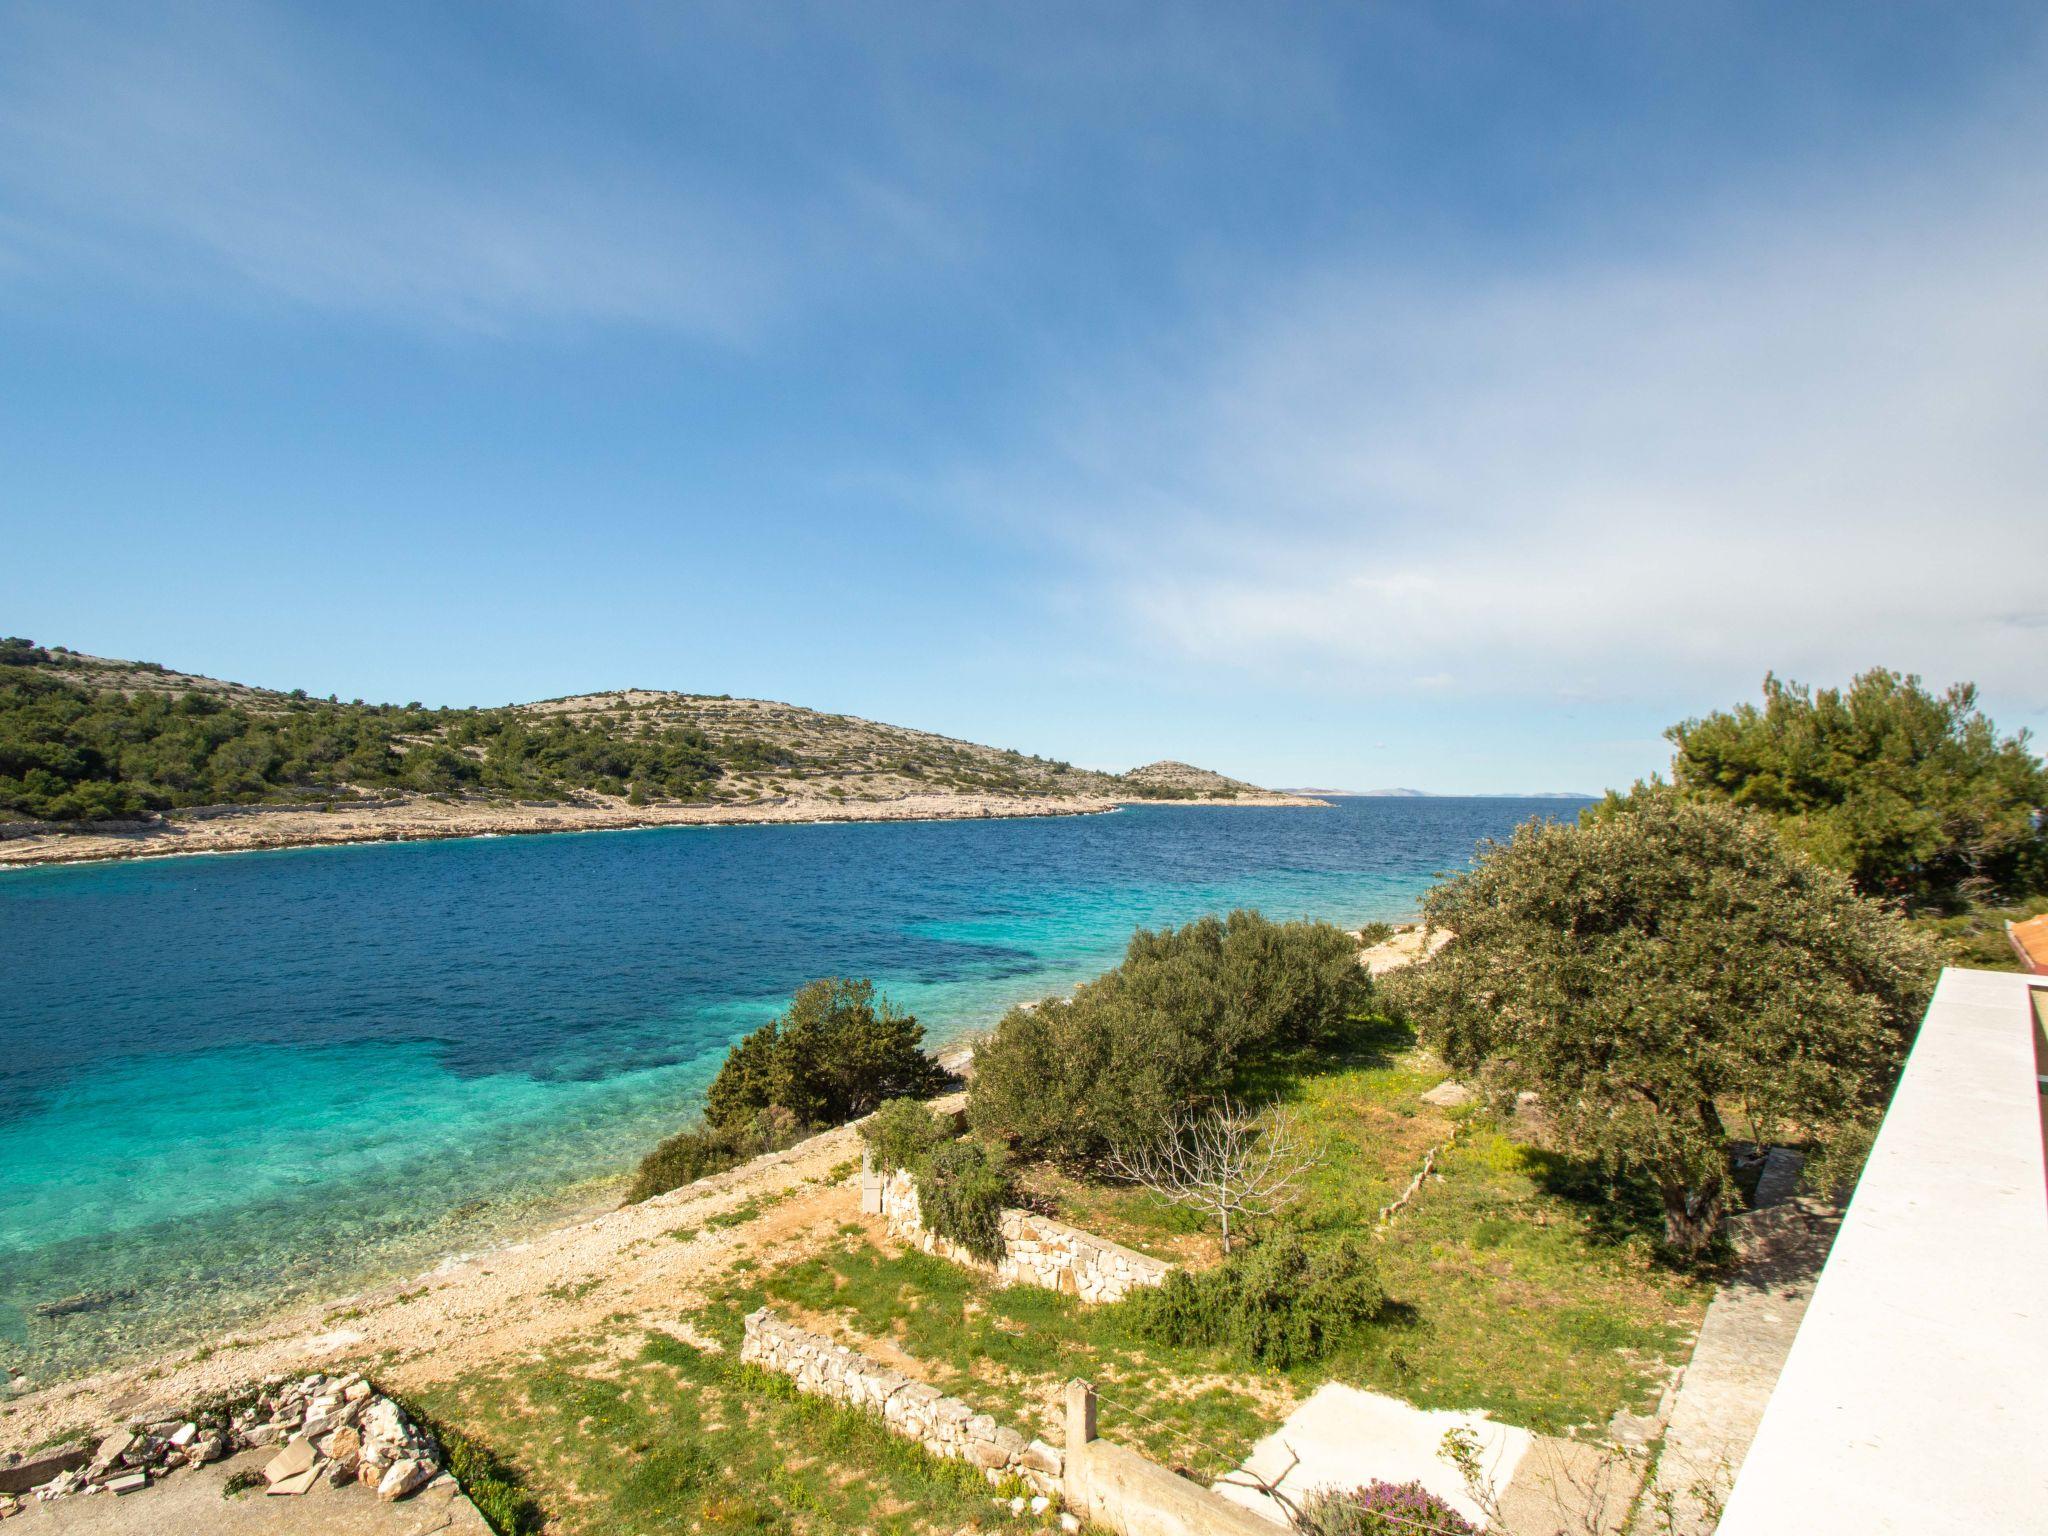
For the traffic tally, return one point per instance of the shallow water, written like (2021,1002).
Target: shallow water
(228,1082)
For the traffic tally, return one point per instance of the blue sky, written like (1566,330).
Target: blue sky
(1424,394)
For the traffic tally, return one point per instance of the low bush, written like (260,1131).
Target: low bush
(697,1154)
(1381,1509)
(1374,933)
(242,1482)
(903,1133)
(1170,1026)
(1279,1303)
(838,1052)
(961,1191)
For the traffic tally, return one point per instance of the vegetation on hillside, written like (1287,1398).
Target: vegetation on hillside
(1521,1280)
(838,1052)
(903,1133)
(1654,970)
(1282,1303)
(962,1186)
(84,739)
(662,1437)
(70,753)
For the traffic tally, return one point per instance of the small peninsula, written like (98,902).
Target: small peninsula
(107,759)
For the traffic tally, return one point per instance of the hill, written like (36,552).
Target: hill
(90,740)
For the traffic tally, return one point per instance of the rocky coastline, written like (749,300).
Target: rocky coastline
(419,818)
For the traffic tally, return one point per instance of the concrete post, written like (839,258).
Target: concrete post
(1080,1416)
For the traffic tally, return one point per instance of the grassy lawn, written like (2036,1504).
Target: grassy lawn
(667,1438)
(1522,1285)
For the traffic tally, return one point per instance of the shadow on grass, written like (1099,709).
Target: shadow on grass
(1616,1210)
(495,1486)
(1370,1044)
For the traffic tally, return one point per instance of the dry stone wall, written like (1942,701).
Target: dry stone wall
(1037,1249)
(945,1426)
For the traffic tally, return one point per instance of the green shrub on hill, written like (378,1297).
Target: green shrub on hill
(1914,795)
(1279,1303)
(903,1133)
(1069,1079)
(962,1188)
(838,1052)
(696,1154)
(69,753)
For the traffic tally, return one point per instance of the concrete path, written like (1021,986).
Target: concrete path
(190,1503)
(1743,1342)
(1345,1438)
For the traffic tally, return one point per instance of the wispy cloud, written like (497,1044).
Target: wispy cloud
(1809,433)
(184,145)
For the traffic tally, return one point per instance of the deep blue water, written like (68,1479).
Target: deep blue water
(229,1081)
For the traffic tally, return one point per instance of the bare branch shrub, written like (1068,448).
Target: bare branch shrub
(1227,1160)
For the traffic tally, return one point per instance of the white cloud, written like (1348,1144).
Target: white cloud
(1810,435)
(171,145)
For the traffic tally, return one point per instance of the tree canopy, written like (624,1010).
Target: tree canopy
(1649,972)
(837,1053)
(1071,1078)
(1915,795)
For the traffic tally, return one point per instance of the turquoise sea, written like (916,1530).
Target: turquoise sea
(236,1081)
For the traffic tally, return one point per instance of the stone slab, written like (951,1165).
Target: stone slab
(19,1475)
(1343,1437)
(189,1503)
(294,1484)
(294,1460)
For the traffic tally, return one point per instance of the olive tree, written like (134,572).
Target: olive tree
(1652,971)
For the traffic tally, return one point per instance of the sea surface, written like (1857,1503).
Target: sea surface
(231,1082)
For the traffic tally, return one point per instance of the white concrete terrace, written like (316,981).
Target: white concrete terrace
(1915,1398)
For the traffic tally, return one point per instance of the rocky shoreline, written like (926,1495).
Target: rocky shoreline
(248,829)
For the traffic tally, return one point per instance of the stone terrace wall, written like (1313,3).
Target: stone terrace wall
(1039,1250)
(945,1426)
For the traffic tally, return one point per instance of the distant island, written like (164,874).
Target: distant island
(108,759)
(1431,794)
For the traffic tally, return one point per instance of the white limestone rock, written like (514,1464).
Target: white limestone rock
(404,1477)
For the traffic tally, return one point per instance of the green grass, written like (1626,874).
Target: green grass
(497,1489)
(1008,1351)
(671,1440)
